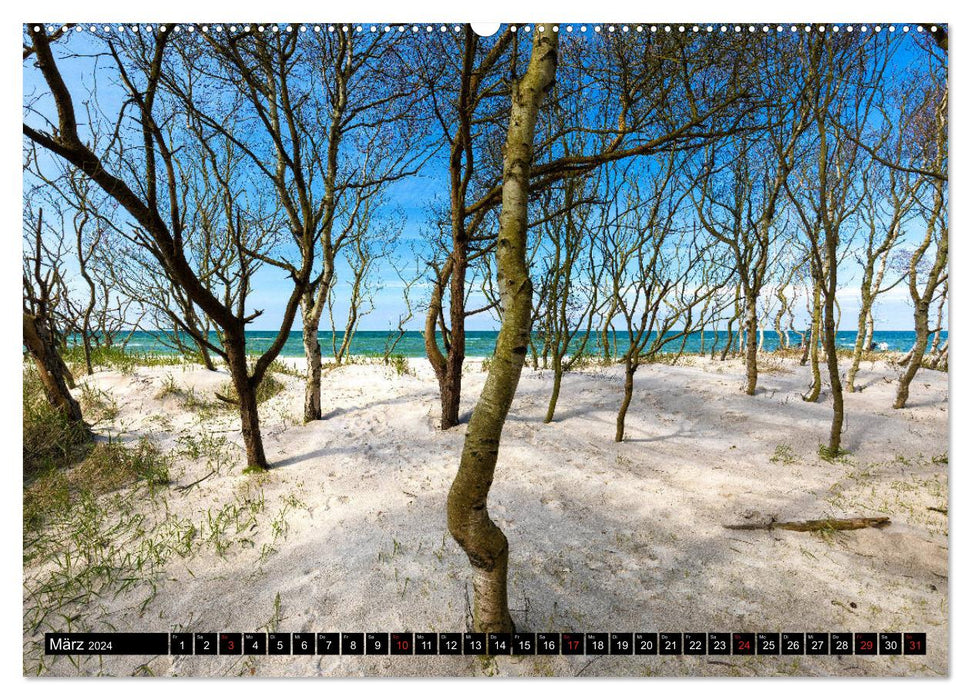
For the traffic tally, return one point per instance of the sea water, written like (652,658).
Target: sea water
(482,343)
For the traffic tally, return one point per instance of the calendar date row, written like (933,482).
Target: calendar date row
(495,644)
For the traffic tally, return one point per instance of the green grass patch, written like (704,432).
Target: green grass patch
(97,405)
(268,388)
(48,493)
(113,465)
(280,367)
(187,398)
(399,363)
(783,455)
(832,456)
(770,364)
(106,467)
(116,358)
(51,440)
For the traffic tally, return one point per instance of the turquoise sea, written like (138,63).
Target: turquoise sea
(482,343)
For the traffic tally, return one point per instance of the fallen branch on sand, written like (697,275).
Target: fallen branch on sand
(195,483)
(815,525)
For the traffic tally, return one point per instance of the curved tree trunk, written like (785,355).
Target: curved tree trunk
(435,357)
(533,354)
(312,303)
(54,374)
(557,381)
(940,359)
(751,346)
(784,302)
(868,339)
(860,345)
(468,515)
(207,358)
(936,276)
(906,358)
(248,411)
(817,386)
(606,331)
(625,403)
(447,365)
(936,342)
(832,359)
(86,340)
(729,341)
(451,384)
(806,339)
(914,358)
(311,398)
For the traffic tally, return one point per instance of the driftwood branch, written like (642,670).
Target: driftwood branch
(816,525)
(195,483)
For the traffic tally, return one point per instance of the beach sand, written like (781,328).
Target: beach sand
(347,531)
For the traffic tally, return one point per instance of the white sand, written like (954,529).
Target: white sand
(603,536)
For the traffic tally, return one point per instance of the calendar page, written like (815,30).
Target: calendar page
(470,350)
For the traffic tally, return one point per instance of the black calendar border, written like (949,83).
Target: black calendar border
(491,644)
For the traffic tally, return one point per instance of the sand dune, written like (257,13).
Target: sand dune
(347,531)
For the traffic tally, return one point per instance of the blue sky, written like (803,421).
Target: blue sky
(412,199)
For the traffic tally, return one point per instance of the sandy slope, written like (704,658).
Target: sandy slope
(603,536)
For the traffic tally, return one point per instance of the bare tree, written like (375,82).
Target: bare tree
(884,212)
(743,181)
(370,243)
(930,154)
(336,131)
(648,122)
(668,101)
(468,126)
(786,294)
(396,333)
(43,290)
(166,313)
(661,269)
(146,184)
(94,314)
(829,193)
(468,515)
(570,280)
(940,325)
